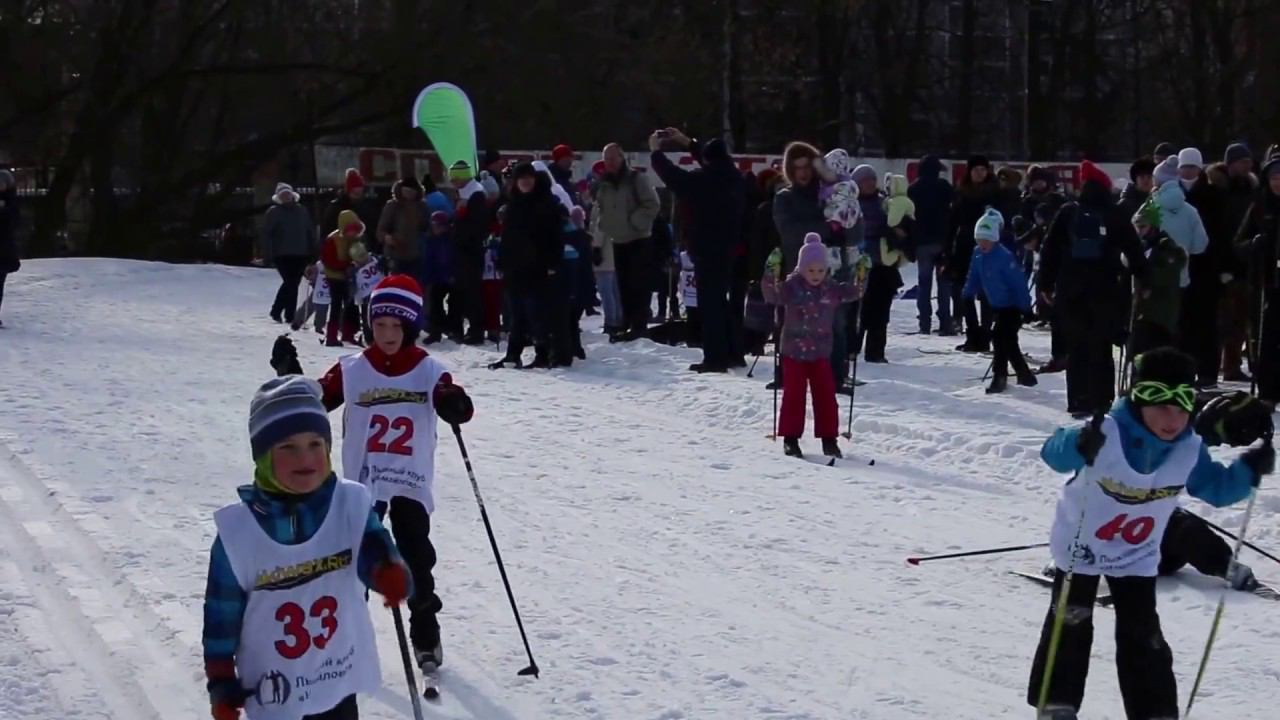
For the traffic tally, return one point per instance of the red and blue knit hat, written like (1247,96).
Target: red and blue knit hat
(397,296)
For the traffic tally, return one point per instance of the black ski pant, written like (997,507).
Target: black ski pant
(1199,327)
(529,307)
(1144,661)
(738,305)
(2,277)
(712,278)
(1006,351)
(467,295)
(1057,335)
(345,710)
(877,301)
(1189,540)
(440,321)
(631,261)
(291,269)
(1090,326)
(411,530)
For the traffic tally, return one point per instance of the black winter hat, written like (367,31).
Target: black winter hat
(1165,149)
(411,182)
(524,169)
(976,160)
(1141,166)
(1163,365)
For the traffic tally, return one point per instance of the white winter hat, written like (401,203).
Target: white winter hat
(1190,157)
(281,189)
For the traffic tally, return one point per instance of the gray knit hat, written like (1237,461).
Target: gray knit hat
(286,406)
(1236,151)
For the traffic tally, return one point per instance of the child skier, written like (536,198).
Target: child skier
(810,299)
(997,275)
(317,300)
(1129,468)
(393,392)
(297,545)
(367,273)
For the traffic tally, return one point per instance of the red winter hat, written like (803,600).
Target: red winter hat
(560,152)
(398,296)
(597,168)
(1092,173)
(353,180)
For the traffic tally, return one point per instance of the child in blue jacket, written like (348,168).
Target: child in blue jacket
(1129,467)
(997,275)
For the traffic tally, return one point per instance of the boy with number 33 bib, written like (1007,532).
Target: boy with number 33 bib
(393,392)
(287,633)
(1129,471)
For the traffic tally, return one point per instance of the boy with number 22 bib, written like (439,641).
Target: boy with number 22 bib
(287,633)
(1128,473)
(393,391)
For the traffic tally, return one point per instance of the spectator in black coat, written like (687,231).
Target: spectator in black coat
(531,248)
(715,194)
(797,211)
(8,228)
(932,196)
(1258,241)
(1082,276)
(978,191)
(1040,203)
(1210,271)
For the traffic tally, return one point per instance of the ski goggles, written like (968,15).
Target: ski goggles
(1152,392)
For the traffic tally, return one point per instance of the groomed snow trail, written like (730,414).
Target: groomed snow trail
(669,562)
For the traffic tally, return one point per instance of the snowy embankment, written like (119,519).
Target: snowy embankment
(669,562)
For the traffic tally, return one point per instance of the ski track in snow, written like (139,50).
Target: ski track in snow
(668,561)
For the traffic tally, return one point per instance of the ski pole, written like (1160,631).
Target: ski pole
(408,665)
(853,379)
(751,372)
(1233,536)
(1222,602)
(532,669)
(990,366)
(973,553)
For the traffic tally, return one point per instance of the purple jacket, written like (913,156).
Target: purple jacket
(810,312)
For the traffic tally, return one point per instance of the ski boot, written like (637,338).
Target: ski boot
(791,447)
(831,448)
(998,384)
(1058,712)
(430,659)
(1240,576)
(1028,380)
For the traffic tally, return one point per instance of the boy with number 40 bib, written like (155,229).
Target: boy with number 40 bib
(393,391)
(1128,473)
(287,633)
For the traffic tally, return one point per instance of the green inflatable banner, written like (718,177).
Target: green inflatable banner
(443,112)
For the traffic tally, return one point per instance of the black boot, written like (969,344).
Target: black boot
(541,359)
(1027,380)
(831,448)
(474,336)
(791,447)
(998,384)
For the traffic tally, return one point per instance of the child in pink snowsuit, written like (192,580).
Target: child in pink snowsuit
(810,298)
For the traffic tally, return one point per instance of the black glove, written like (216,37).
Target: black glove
(452,404)
(597,256)
(1236,419)
(1261,460)
(1090,441)
(284,357)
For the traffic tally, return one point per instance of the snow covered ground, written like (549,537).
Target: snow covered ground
(669,562)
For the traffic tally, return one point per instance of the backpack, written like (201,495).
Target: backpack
(1088,234)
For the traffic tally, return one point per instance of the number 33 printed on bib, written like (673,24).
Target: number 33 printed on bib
(297,639)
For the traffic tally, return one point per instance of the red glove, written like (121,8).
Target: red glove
(225,693)
(391,581)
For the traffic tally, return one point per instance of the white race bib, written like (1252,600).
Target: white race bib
(320,293)
(389,429)
(367,278)
(306,641)
(1125,513)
